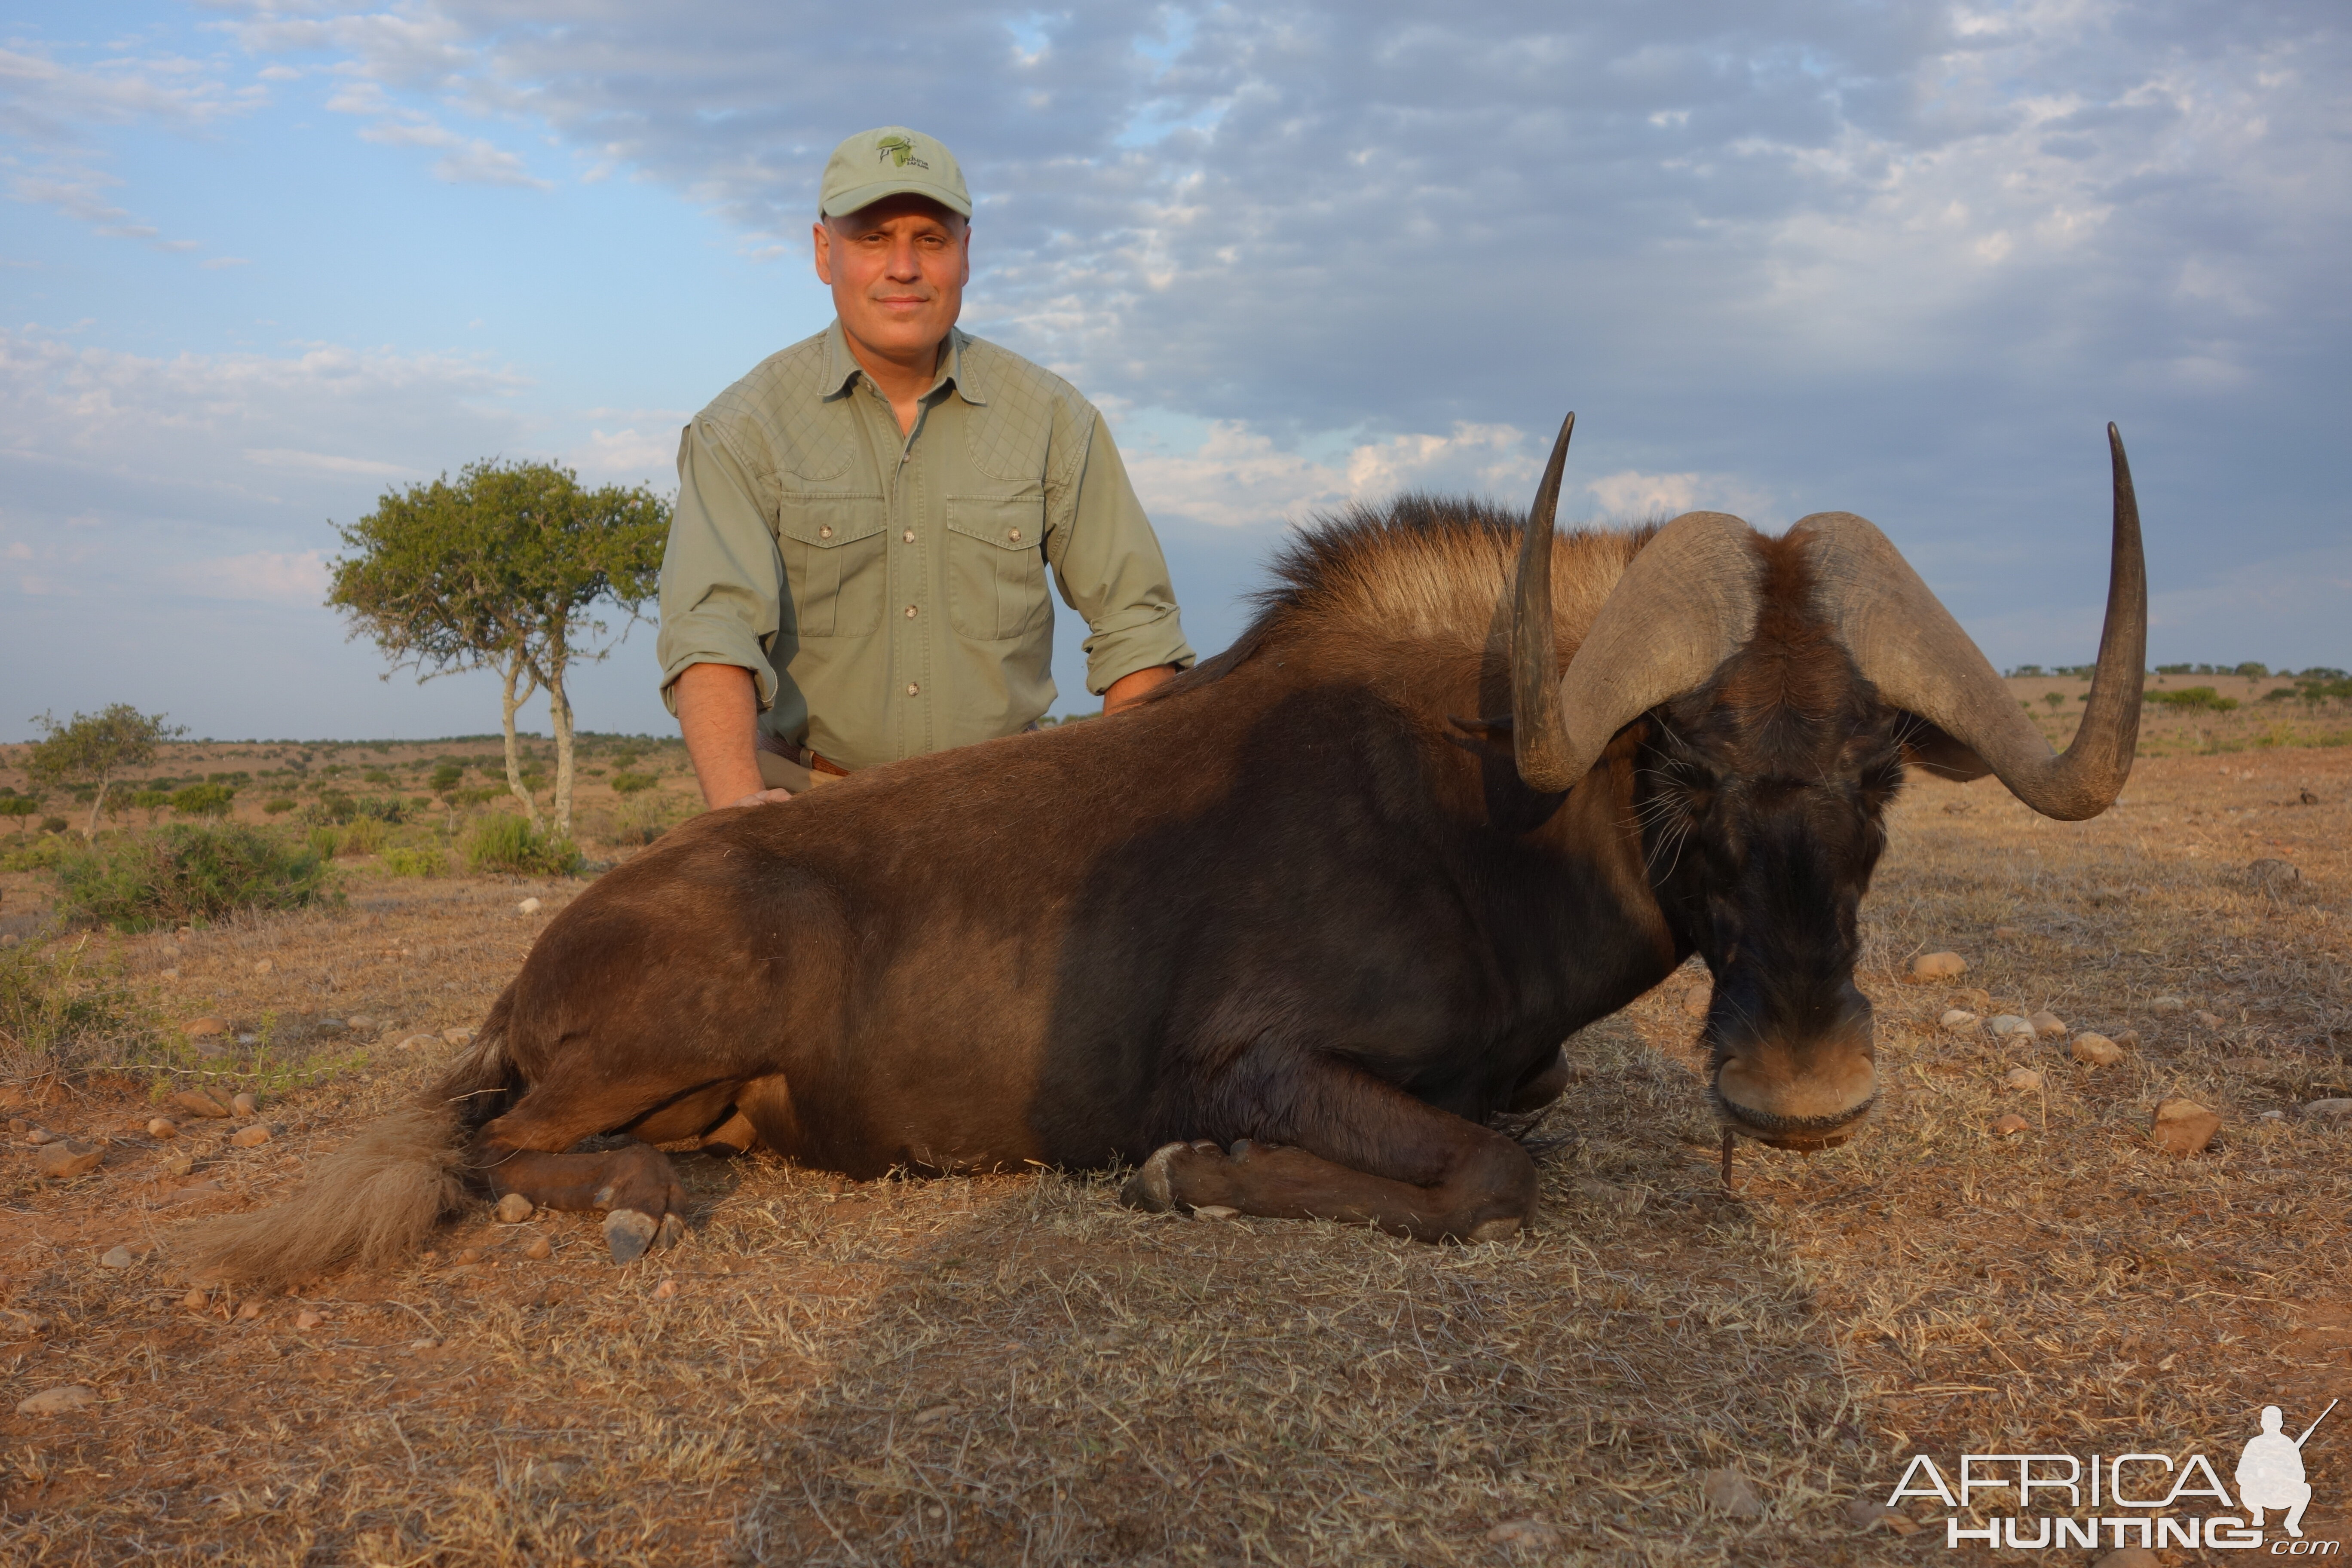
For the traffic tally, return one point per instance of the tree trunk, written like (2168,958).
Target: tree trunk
(516,668)
(559,712)
(89,834)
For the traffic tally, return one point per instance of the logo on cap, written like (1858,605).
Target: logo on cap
(901,150)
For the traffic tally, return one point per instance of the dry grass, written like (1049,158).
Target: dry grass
(1014,1370)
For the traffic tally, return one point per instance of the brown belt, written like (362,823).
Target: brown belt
(793,752)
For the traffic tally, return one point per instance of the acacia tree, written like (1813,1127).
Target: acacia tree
(504,569)
(93,748)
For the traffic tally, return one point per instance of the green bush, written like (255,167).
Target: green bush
(54,825)
(482,795)
(56,1016)
(41,854)
(2194,697)
(186,874)
(277,807)
(326,842)
(509,844)
(365,836)
(400,862)
(204,800)
(23,808)
(632,784)
(446,777)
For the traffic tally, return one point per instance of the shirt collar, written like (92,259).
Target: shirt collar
(841,366)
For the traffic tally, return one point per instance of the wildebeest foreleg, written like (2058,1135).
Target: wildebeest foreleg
(1359,1151)
(524,1152)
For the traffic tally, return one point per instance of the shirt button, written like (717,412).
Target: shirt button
(912,688)
(910,612)
(909,536)
(825,532)
(1015,536)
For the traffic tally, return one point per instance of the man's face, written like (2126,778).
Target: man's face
(898,271)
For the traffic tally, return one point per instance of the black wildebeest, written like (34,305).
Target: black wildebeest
(1290,933)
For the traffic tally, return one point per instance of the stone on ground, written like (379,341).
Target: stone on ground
(1533,1533)
(458,1037)
(196,1102)
(64,1161)
(2006,1023)
(245,1105)
(2329,1111)
(251,1137)
(1958,1020)
(2096,1051)
(263,966)
(2010,1125)
(2183,1127)
(2274,874)
(2129,1557)
(1728,1490)
(2167,1004)
(117,1257)
(2209,1020)
(163,1127)
(57,1401)
(309,1318)
(540,1248)
(1931,967)
(1697,1000)
(2049,1025)
(199,1028)
(529,906)
(420,1042)
(514,1209)
(2022,1080)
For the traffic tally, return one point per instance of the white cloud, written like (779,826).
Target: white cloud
(297,577)
(325,463)
(1238,478)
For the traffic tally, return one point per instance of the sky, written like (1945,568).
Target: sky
(259,262)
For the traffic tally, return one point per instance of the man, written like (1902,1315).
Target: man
(857,563)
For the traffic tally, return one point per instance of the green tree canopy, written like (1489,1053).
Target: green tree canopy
(93,748)
(503,569)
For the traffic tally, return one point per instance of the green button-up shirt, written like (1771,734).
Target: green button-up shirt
(887,592)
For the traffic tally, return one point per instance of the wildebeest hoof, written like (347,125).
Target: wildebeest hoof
(627,1233)
(1495,1229)
(673,1230)
(1147,1188)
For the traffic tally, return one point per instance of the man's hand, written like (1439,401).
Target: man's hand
(1125,692)
(718,712)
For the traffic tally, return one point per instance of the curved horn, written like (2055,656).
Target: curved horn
(1911,649)
(1683,606)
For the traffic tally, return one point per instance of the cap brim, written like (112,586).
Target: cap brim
(859,197)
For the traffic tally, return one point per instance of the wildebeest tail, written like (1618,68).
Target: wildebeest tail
(373,1201)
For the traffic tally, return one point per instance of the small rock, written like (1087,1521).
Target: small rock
(933,1414)
(203,1026)
(64,1161)
(171,974)
(117,1258)
(665,1289)
(2004,1023)
(57,1401)
(362,1022)
(251,1137)
(245,1105)
(1958,1020)
(1696,1001)
(2272,1116)
(1866,1511)
(2274,875)
(179,1160)
(2096,1051)
(196,1193)
(458,1037)
(2309,798)
(196,1102)
(161,1127)
(2049,1025)
(2183,1127)
(468,1257)
(1931,967)
(40,1135)
(248,1310)
(1974,998)
(1216,1211)
(195,1300)
(2167,1004)
(1534,1533)
(263,966)
(1729,1490)
(2209,1020)
(2329,1111)
(2022,1080)
(309,1318)
(2005,934)
(514,1209)
(540,1248)
(420,1043)
(331,1026)
(529,906)
(2128,1557)
(2128,1038)
(2010,1125)
(18,1324)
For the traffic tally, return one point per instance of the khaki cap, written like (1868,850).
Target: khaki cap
(890,162)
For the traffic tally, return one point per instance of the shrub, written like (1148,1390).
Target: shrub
(402,862)
(509,844)
(204,800)
(277,807)
(326,842)
(23,808)
(375,776)
(365,836)
(482,795)
(632,784)
(56,1016)
(186,874)
(54,825)
(2194,697)
(446,777)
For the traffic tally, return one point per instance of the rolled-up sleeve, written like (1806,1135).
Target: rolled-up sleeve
(721,571)
(1108,566)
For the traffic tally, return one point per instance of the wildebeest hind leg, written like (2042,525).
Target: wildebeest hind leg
(1359,1151)
(524,1152)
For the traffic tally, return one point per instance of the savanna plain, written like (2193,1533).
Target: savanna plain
(1014,1370)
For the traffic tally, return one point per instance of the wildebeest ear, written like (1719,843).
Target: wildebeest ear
(1927,747)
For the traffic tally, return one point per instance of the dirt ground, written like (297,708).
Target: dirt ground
(1016,1371)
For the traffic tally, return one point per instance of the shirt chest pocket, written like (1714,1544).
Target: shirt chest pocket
(835,563)
(996,566)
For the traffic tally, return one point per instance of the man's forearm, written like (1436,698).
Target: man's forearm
(719,714)
(1128,689)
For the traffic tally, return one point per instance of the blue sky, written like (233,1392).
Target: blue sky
(260,261)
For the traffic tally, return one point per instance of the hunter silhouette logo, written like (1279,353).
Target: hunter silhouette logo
(900,151)
(2270,1472)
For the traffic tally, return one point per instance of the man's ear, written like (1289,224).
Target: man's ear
(1927,747)
(821,252)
